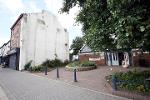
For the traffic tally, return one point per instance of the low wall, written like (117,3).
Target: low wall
(80,68)
(100,61)
(141,60)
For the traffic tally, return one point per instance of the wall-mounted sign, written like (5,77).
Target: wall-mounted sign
(94,59)
(102,55)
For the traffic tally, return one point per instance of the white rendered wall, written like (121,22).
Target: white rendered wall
(41,38)
(0,52)
(5,49)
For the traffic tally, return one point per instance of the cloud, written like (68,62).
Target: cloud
(12,5)
(3,40)
(32,7)
(53,5)
(75,31)
(16,7)
(67,20)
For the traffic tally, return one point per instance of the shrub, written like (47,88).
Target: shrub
(56,63)
(82,64)
(28,65)
(133,80)
(45,63)
(53,63)
(88,63)
(36,69)
(66,62)
(141,88)
(74,64)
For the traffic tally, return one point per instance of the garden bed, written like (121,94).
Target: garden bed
(81,66)
(132,81)
(51,65)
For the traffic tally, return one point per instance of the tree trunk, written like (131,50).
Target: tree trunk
(130,58)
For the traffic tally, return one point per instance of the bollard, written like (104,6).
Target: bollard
(75,75)
(45,70)
(57,72)
(114,81)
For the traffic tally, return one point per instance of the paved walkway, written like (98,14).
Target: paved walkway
(2,95)
(24,86)
(95,80)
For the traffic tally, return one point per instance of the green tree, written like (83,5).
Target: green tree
(113,24)
(76,45)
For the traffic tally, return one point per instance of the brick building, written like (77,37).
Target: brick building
(114,58)
(86,54)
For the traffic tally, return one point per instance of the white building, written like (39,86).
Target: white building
(39,36)
(4,52)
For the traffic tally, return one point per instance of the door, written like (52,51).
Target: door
(108,58)
(115,61)
(121,57)
(112,58)
(12,61)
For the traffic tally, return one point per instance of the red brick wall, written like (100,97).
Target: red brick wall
(15,35)
(137,57)
(85,57)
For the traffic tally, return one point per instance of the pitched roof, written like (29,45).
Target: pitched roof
(21,15)
(5,44)
(85,49)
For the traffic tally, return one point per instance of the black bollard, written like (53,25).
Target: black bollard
(75,75)
(57,72)
(114,81)
(46,70)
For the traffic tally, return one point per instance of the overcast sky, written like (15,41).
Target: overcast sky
(11,9)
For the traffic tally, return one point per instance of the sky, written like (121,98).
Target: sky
(11,9)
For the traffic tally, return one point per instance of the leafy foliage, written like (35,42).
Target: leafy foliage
(82,64)
(113,24)
(133,80)
(88,63)
(36,69)
(74,64)
(53,63)
(28,65)
(76,45)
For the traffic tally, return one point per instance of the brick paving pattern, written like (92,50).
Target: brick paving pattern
(24,86)
(95,80)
